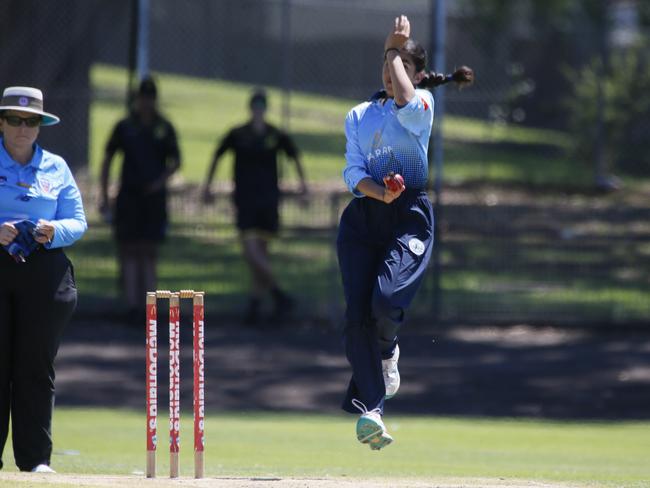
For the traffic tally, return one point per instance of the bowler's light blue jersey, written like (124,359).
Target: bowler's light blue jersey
(382,138)
(45,189)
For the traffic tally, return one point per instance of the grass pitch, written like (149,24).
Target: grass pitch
(254,449)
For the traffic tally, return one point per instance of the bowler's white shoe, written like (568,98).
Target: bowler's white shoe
(42,468)
(370,428)
(391,374)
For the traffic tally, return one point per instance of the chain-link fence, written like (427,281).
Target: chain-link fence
(506,256)
(521,234)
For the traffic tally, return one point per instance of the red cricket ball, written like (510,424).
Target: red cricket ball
(394,182)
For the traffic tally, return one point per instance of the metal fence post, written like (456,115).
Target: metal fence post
(143,38)
(133,51)
(602,179)
(287,66)
(334,308)
(287,63)
(439,20)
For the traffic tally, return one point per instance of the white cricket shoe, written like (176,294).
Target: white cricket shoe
(42,468)
(370,428)
(391,374)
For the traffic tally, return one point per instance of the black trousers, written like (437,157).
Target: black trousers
(37,299)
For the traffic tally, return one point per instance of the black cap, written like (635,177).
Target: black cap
(148,88)
(258,99)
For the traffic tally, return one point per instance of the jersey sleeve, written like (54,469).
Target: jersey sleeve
(355,168)
(417,115)
(70,219)
(115,141)
(171,143)
(225,144)
(288,146)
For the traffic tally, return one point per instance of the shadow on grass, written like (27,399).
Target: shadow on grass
(470,371)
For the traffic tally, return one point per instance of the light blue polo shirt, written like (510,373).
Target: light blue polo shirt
(44,188)
(382,137)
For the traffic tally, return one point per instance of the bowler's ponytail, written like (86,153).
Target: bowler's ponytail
(462,76)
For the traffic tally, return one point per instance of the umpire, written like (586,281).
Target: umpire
(40,213)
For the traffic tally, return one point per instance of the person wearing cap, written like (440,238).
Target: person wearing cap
(256,196)
(41,212)
(151,155)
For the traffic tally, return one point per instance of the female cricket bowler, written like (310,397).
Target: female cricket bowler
(386,236)
(40,213)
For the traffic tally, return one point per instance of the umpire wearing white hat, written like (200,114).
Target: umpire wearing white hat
(40,213)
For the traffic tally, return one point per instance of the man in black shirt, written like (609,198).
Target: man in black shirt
(151,155)
(256,197)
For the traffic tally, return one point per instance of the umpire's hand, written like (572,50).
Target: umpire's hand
(7,233)
(44,231)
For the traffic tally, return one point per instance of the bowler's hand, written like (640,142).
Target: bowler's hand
(44,231)
(7,233)
(390,195)
(399,34)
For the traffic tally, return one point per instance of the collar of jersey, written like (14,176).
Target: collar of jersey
(7,162)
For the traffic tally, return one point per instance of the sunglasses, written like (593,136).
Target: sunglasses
(15,121)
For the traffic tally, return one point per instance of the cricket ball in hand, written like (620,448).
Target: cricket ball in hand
(394,182)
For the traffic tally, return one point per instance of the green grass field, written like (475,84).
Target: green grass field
(607,454)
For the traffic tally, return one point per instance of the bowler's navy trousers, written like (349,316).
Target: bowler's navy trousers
(383,251)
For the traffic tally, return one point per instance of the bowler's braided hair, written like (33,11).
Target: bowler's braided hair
(463,75)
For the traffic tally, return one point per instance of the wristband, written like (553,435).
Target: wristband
(390,49)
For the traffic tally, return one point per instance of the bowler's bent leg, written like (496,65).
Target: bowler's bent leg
(401,273)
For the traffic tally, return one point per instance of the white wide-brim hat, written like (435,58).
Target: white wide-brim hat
(27,99)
